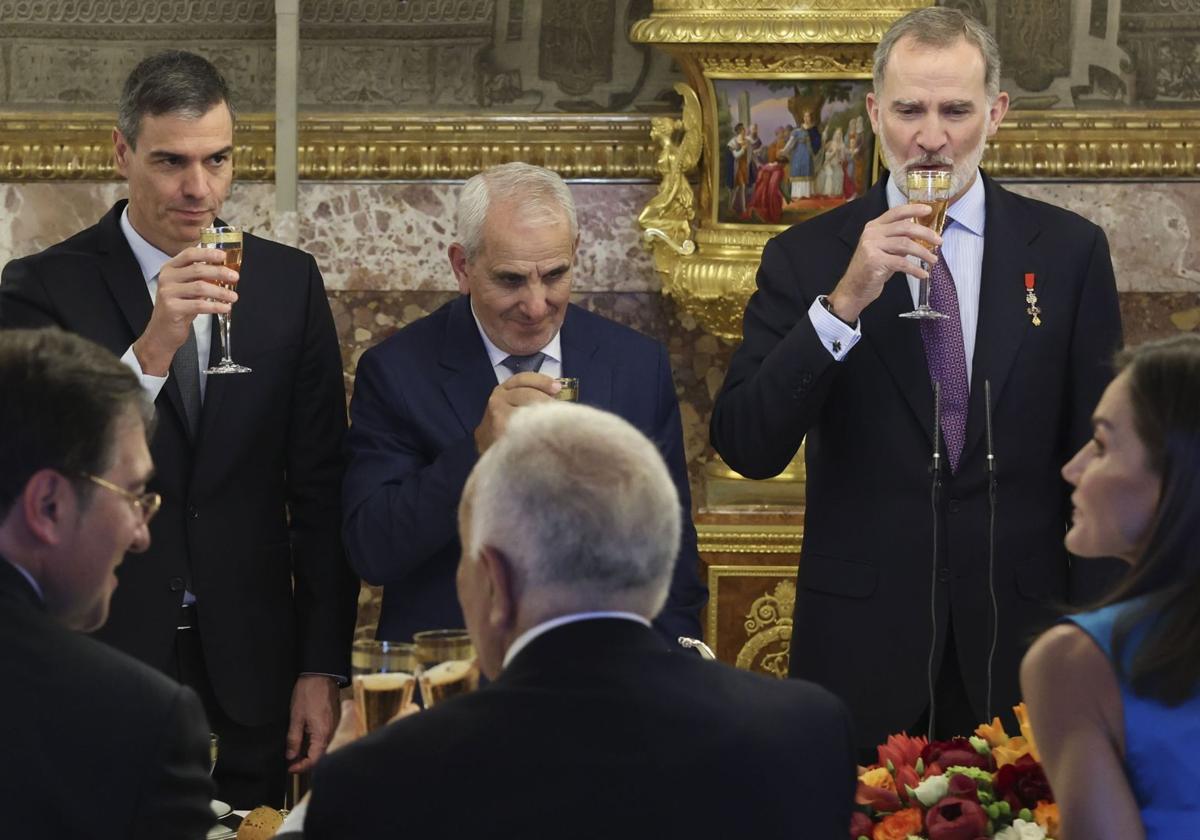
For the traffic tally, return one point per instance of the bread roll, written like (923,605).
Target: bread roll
(260,824)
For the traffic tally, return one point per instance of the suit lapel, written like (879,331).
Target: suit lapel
(123,276)
(896,340)
(580,348)
(471,379)
(1003,322)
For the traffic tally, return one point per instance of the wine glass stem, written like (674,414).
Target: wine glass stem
(226,353)
(923,299)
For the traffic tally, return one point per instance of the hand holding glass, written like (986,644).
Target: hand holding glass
(228,239)
(930,187)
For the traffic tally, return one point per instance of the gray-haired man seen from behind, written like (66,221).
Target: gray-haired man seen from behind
(95,744)
(591,726)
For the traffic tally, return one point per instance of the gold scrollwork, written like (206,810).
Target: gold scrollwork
(854,27)
(45,147)
(769,626)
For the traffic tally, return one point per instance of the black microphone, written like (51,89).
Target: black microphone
(934,491)
(991,477)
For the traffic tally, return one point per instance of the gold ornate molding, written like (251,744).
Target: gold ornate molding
(53,147)
(750,539)
(1100,144)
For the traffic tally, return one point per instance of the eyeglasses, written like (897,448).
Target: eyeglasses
(145,504)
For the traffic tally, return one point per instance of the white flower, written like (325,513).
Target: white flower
(932,789)
(1021,830)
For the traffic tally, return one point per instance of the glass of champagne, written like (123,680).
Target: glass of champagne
(384,678)
(448,666)
(570,389)
(213,743)
(932,188)
(227,238)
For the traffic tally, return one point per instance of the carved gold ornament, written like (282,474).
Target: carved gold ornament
(769,626)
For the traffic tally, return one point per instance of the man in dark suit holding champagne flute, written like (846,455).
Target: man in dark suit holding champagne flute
(244,594)
(1019,364)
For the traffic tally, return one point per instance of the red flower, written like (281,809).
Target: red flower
(1022,784)
(963,786)
(955,818)
(954,753)
(902,750)
(906,776)
(860,825)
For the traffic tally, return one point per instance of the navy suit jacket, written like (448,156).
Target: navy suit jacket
(250,521)
(598,730)
(866,565)
(96,744)
(418,397)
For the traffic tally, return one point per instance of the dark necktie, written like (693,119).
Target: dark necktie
(185,367)
(524,364)
(947,357)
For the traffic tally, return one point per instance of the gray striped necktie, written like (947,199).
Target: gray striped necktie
(185,367)
(524,364)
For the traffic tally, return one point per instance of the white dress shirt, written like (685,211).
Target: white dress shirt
(536,630)
(962,244)
(25,574)
(151,261)
(551,365)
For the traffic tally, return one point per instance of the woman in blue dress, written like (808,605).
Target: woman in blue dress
(1114,693)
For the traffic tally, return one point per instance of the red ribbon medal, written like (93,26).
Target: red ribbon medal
(1031,306)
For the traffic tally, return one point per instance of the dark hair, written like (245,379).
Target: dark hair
(171,82)
(1164,390)
(63,397)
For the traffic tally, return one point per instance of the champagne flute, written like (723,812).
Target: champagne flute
(227,238)
(930,187)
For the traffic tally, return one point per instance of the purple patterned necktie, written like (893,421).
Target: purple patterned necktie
(947,357)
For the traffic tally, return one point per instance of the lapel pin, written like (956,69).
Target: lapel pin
(1031,301)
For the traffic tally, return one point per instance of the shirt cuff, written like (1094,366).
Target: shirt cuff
(337,678)
(837,336)
(150,384)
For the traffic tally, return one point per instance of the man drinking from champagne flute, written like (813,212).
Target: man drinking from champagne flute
(1031,321)
(244,594)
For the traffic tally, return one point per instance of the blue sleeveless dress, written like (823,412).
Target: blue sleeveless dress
(1162,744)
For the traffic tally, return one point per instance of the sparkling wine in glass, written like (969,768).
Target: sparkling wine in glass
(930,187)
(228,239)
(384,680)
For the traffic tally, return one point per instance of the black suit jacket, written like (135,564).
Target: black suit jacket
(597,729)
(866,567)
(250,521)
(96,744)
(418,397)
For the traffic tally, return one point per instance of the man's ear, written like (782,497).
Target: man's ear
(502,608)
(48,504)
(122,149)
(458,264)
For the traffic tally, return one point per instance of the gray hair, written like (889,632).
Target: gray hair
(542,194)
(939,27)
(582,505)
(171,82)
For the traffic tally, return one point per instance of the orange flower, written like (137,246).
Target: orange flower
(1026,729)
(899,825)
(992,732)
(879,777)
(1046,815)
(1010,752)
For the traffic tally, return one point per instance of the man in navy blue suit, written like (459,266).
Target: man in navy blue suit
(432,398)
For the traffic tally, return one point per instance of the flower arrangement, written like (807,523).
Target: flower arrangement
(987,786)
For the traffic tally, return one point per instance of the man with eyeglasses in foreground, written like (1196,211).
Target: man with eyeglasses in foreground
(95,743)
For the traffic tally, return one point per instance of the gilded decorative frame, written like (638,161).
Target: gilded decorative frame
(1051,144)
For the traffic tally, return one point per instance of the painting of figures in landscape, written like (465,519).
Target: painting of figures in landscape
(790,149)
